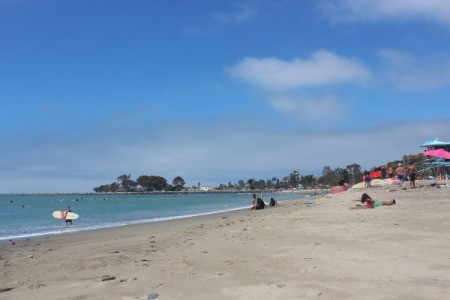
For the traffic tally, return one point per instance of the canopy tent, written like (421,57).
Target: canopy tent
(437,166)
(437,144)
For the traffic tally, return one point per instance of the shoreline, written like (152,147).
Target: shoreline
(124,230)
(306,191)
(293,251)
(178,219)
(117,224)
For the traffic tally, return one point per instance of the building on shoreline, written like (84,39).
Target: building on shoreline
(437,144)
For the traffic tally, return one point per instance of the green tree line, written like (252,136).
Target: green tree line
(351,174)
(144,183)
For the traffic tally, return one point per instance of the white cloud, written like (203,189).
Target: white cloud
(243,13)
(308,109)
(406,72)
(324,67)
(226,149)
(374,10)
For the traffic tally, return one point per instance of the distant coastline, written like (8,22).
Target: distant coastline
(307,191)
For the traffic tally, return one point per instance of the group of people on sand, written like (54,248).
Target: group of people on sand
(400,173)
(411,174)
(366,202)
(258,203)
(403,174)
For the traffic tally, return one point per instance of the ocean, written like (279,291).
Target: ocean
(25,216)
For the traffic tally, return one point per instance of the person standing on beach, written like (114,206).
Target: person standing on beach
(68,210)
(400,172)
(367,179)
(412,176)
(383,172)
(389,172)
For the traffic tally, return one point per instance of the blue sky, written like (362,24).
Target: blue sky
(215,91)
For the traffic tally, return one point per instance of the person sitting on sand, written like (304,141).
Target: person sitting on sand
(260,204)
(272,202)
(368,202)
(253,201)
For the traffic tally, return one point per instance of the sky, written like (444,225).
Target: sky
(215,91)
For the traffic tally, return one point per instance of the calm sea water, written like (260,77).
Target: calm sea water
(23,216)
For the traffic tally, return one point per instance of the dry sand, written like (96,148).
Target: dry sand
(293,251)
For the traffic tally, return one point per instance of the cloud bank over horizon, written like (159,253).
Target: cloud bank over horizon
(208,157)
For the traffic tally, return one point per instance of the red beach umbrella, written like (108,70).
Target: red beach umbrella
(440,153)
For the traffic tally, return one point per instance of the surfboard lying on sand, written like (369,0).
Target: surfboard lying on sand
(61,214)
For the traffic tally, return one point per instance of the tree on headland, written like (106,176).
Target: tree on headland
(269,184)
(126,183)
(251,184)
(330,177)
(107,188)
(308,181)
(241,184)
(284,183)
(145,182)
(354,173)
(260,185)
(275,182)
(294,179)
(152,183)
(413,159)
(341,174)
(178,183)
(351,174)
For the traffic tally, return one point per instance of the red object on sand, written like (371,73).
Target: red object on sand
(337,189)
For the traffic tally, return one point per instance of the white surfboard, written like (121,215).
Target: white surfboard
(61,214)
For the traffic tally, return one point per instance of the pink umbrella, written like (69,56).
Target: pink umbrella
(441,153)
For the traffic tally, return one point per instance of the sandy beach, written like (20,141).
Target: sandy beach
(293,251)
